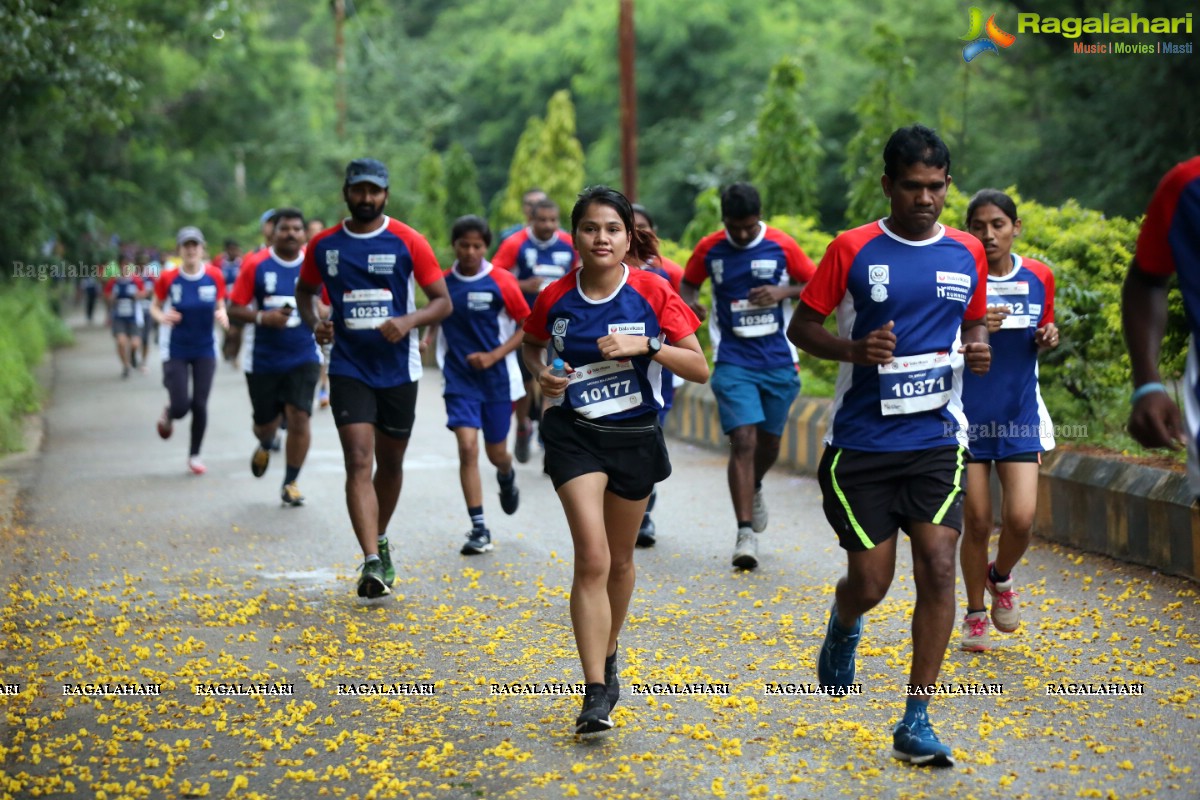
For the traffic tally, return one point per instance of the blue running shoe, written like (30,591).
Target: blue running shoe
(914,741)
(835,662)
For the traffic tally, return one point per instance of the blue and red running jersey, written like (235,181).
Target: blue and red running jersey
(741,333)
(1169,243)
(371,277)
(266,284)
(643,305)
(196,298)
(1004,408)
(526,257)
(488,308)
(929,288)
(123,292)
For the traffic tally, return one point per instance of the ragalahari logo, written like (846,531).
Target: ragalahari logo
(988,42)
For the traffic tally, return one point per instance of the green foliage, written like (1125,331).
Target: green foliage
(706,219)
(787,149)
(429,217)
(880,111)
(30,327)
(560,153)
(462,184)
(524,173)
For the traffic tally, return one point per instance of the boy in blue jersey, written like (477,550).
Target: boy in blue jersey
(371,265)
(756,271)
(910,295)
(476,350)
(279,356)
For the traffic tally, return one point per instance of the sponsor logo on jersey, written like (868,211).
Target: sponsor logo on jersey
(381,263)
(878,273)
(631,328)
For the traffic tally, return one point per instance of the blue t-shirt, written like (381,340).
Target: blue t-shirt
(1004,408)
(526,257)
(370,278)
(642,305)
(488,307)
(196,298)
(870,276)
(266,284)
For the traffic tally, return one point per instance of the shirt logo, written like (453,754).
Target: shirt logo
(208,294)
(269,281)
(381,263)
(879,292)
(718,270)
(631,328)
(953,286)
(763,268)
(479,301)
(877,273)
(331,262)
(560,258)
(560,326)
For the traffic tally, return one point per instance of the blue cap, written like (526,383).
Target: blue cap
(367,170)
(266,216)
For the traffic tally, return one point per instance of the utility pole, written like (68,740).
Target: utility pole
(626,47)
(339,44)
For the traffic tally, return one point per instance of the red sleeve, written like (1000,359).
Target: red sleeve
(1153,252)
(308,270)
(108,287)
(506,256)
(514,298)
(163,284)
(536,325)
(1047,278)
(242,293)
(674,272)
(218,279)
(696,271)
(325,295)
(138,282)
(827,286)
(977,305)
(426,269)
(799,266)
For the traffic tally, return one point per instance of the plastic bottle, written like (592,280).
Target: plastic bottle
(559,371)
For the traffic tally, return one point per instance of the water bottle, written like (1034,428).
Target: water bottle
(557,370)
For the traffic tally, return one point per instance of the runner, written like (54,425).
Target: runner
(187,300)
(280,358)
(368,264)
(1167,244)
(537,255)
(476,349)
(910,295)
(756,271)
(123,295)
(1009,424)
(658,264)
(604,447)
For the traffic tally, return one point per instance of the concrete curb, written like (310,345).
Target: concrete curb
(1130,512)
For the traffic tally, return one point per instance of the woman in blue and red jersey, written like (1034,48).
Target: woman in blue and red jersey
(610,325)
(1008,422)
(187,299)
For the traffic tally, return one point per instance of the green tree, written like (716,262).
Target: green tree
(429,216)
(786,153)
(560,155)
(880,111)
(462,183)
(524,172)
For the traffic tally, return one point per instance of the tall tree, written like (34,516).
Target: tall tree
(429,215)
(462,183)
(560,155)
(786,153)
(524,172)
(880,110)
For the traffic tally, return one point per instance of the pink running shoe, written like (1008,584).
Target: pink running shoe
(196,465)
(1005,615)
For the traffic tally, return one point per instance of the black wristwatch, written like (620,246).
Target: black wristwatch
(653,346)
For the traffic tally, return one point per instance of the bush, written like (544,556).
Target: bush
(30,327)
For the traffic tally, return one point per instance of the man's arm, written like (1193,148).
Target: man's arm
(436,310)
(807,331)
(1154,420)
(690,293)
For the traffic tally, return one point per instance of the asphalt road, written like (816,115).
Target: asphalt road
(120,567)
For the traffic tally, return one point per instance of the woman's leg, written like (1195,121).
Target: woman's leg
(203,370)
(977,530)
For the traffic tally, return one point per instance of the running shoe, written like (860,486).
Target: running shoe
(323,398)
(975,633)
(914,741)
(124,373)
(835,662)
(646,533)
(510,495)
(165,425)
(479,540)
(521,449)
(745,552)
(277,442)
(595,715)
(760,515)
(290,495)
(1005,615)
(371,583)
(196,465)
(385,556)
(259,461)
(612,682)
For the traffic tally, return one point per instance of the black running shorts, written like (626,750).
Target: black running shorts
(271,391)
(631,452)
(869,496)
(392,409)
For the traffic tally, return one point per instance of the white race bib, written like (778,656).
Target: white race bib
(1013,296)
(273,301)
(911,384)
(604,388)
(749,320)
(123,307)
(366,309)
